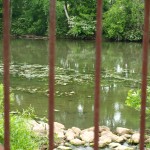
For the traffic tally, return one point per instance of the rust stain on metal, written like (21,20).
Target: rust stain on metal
(144,73)
(6,80)
(52,41)
(97,72)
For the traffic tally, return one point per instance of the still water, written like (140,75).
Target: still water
(74,87)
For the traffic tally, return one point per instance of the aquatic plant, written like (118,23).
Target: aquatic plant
(133,99)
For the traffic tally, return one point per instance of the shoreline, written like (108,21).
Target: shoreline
(120,139)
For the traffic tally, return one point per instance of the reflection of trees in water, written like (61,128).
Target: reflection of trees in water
(123,59)
(29,51)
(79,55)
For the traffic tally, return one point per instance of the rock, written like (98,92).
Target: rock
(104,141)
(135,138)
(88,129)
(1,147)
(122,147)
(87,136)
(32,123)
(147,140)
(116,138)
(40,128)
(76,130)
(114,145)
(59,125)
(70,135)
(103,128)
(122,131)
(108,133)
(64,148)
(113,137)
(60,134)
(126,136)
(77,142)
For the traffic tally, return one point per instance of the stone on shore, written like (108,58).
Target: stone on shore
(70,135)
(63,148)
(59,125)
(135,138)
(103,128)
(122,131)
(65,139)
(114,138)
(76,130)
(104,141)
(40,128)
(87,136)
(77,142)
(122,147)
(114,145)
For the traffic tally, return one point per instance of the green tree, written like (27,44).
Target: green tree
(29,17)
(124,20)
(81,17)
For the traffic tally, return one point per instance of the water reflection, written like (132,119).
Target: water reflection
(119,69)
(80,109)
(119,61)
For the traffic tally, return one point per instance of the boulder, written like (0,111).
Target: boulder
(122,147)
(113,137)
(1,147)
(60,134)
(87,136)
(70,135)
(122,131)
(59,125)
(40,128)
(126,136)
(77,142)
(113,145)
(103,128)
(104,141)
(63,148)
(116,138)
(135,138)
(76,130)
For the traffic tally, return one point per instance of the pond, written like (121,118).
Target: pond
(74,86)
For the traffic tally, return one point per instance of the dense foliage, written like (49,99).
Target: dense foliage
(122,19)
(21,137)
(134,99)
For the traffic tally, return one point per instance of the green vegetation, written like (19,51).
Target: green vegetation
(122,19)
(22,138)
(134,99)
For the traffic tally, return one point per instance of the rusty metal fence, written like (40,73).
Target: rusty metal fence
(52,41)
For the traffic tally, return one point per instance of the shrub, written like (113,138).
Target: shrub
(21,137)
(134,99)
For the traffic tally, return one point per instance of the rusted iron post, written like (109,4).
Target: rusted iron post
(52,41)
(6,80)
(97,72)
(144,72)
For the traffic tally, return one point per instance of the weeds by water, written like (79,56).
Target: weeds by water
(21,136)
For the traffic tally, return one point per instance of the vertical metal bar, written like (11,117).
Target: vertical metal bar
(6,80)
(52,41)
(144,72)
(97,72)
